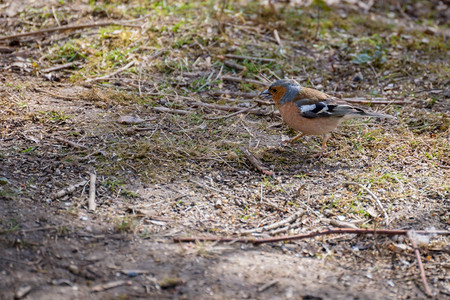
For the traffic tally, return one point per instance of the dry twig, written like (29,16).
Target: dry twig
(256,163)
(233,114)
(67,190)
(131,63)
(59,97)
(372,101)
(303,236)
(91,200)
(63,28)
(238,79)
(70,143)
(233,65)
(288,220)
(241,57)
(341,224)
(267,285)
(170,110)
(374,197)
(60,67)
(419,263)
(231,108)
(110,285)
(234,94)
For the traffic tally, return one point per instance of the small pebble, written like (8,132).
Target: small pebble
(132,274)
(358,77)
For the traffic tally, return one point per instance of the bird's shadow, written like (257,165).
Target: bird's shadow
(298,158)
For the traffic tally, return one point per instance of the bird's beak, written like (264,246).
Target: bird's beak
(265,94)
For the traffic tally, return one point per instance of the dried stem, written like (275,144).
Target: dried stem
(91,200)
(67,190)
(304,236)
(63,28)
(250,58)
(288,220)
(234,94)
(238,79)
(256,163)
(73,144)
(419,263)
(113,73)
(374,197)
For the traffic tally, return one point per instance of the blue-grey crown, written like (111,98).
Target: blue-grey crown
(285,82)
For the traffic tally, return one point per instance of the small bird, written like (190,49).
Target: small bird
(310,111)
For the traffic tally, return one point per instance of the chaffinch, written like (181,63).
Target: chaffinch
(310,111)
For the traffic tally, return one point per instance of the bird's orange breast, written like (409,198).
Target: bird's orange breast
(309,126)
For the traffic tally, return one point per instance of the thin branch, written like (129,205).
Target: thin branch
(372,101)
(73,144)
(241,57)
(234,94)
(234,65)
(91,200)
(131,63)
(374,197)
(231,108)
(238,79)
(67,190)
(109,285)
(171,110)
(256,163)
(341,224)
(277,38)
(304,236)
(64,98)
(55,16)
(233,114)
(288,220)
(419,263)
(7,49)
(60,67)
(63,28)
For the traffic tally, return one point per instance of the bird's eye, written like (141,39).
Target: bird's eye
(274,90)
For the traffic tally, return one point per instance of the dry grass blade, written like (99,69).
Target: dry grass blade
(234,94)
(63,28)
(106,77)
(238,79)
(243,57)
(374,197)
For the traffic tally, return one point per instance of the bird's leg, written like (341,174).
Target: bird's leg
(324,146)
(291,141)
(324,143)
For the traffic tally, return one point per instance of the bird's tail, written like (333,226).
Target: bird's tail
(364,113)
(348,111)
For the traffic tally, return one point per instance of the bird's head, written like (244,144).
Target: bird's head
(282,91)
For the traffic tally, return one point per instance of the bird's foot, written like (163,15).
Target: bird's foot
(290,141)
(285,140)
(320,154)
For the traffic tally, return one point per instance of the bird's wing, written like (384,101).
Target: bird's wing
(330,109)
(314,104)
(315,109)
